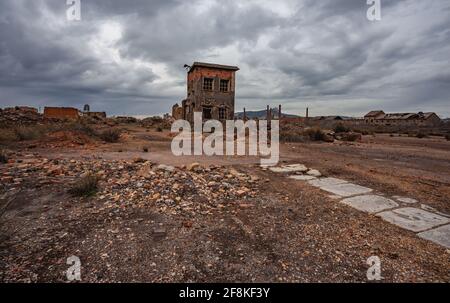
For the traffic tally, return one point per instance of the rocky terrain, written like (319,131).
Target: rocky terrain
(154,217)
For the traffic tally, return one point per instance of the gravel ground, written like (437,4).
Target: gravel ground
(156,223)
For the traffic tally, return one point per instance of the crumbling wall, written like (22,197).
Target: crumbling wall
(198,98)
(61,113)
(96,115)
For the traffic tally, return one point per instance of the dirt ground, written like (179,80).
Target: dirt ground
(280,230)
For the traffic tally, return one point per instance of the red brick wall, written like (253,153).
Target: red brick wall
(200,72)
(61,112)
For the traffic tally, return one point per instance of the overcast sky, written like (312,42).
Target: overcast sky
(127,57)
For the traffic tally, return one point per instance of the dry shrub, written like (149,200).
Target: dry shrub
(86,186)
(421,135)
(340,128)
(292,136)
(110,135)
(447,137)
(303,135)
(315,134)
(24,133)
(80,127)
(7,135)
(351,137)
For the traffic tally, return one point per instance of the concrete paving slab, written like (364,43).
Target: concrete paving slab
(314,172)
(296,167)
(433,210)
(346,189)
(326,182)
(302,177)
(279,169)
(440,235)
(413,219)
(289,168)
(370,203)
(405,199)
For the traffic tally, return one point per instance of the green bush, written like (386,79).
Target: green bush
(86,186)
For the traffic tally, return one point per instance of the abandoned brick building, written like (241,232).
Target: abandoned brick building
(68,113)
(210,90)
(379,117)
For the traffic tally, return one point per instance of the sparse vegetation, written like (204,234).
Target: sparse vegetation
(303,135)
(86,186)
(81,127)
(24,133)
(110,135)
(351,137)
(291,136)
(315,134)
(447,137)
(7,135)
(145,149)
(340,128)
(159,129)
(364,132)
(421,135)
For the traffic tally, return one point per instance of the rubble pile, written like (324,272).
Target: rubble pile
(136,183)
(124,120)
(14,116)
(164,123)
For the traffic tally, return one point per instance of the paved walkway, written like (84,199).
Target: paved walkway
(404,212)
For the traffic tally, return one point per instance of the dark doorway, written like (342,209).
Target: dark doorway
(207,113)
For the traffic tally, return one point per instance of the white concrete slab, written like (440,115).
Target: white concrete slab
(289,168)
(370,203)
(440,235)
(433,210)
(326,182)
(405,199)
(302,177)
(296,167)
(346,189)
(279,169)
(413,219)
(314,172)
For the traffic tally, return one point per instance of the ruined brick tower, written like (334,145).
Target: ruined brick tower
(210,90)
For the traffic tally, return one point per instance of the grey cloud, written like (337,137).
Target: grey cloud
(322,54)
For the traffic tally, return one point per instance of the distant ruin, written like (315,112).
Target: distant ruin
(210,90)
(379,117)
(69,113)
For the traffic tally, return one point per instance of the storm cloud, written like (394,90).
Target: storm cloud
(127,57)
